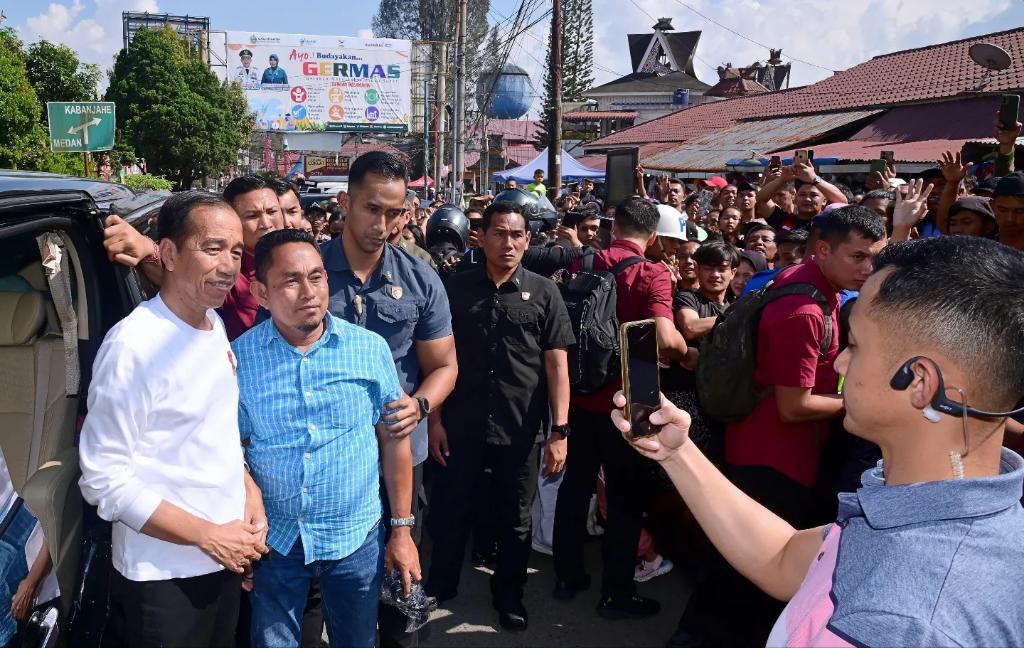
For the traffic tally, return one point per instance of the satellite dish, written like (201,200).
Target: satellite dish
(991,57)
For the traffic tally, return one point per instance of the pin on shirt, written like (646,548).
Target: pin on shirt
(525,296)
(395,292)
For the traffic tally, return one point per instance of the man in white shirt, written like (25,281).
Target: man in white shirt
(159,451)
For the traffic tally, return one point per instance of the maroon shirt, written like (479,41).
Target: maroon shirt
(644,291)
(789,340)
(240,307)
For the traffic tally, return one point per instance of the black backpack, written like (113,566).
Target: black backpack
(728,354)
(590,298)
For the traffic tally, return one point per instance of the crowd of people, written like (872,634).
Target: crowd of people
(391,368)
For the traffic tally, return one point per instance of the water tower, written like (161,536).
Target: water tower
(507,94)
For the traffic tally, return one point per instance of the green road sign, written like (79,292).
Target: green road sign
(80,126)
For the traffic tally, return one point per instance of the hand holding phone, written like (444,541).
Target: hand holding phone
(640,378)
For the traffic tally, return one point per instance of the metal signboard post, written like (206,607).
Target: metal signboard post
(81,127)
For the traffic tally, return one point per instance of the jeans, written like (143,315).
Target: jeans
(13,567)
(350,588)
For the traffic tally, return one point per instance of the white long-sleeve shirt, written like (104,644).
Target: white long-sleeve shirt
(162,425)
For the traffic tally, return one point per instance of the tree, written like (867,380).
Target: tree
(397,19)
(57,75)
(22,138)
(577,62)
(173,111)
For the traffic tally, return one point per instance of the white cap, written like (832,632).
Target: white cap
(670,222)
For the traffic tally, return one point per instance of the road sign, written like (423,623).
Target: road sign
(81,126)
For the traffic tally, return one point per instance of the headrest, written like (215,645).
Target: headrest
(22,314)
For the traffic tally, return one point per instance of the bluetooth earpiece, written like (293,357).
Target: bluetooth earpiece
(941,403)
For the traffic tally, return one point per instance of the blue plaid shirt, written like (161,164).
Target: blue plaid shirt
(309,419)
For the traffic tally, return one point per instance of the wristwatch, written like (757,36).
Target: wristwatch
(424,406)
(561,429)
(404,522)
(817,180)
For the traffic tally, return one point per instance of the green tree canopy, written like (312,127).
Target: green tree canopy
(174,112)
(577,62)
(22,138)
(57,75)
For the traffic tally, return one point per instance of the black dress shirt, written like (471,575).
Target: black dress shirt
(501,334)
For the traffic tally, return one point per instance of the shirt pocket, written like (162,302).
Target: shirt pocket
(397,320)
(520,326)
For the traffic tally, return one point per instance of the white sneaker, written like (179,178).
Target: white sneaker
(593,527)
(645,571)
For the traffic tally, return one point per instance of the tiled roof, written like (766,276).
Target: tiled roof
(649,82)
(587,115)
(520,154)
(595,162)
(511,130)
(918,75)
(735,87)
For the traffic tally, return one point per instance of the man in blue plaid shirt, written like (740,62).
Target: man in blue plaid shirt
(313,389)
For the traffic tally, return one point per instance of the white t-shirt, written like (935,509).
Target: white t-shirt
(162,425)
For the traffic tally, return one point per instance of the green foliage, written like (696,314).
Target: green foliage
(57,75)
(173,111)
(577,62)
(144,181)
(22,138)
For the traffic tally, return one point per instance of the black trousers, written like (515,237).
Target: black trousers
(595,442)
(390,621)
(506,476)
(721,591)
(177,613)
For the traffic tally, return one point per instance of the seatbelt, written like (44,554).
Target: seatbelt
(55,263)
(42,353)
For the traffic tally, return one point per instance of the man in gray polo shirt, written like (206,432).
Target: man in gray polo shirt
(928,551)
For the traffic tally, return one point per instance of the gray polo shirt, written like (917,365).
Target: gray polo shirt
(930,564)
(402,301)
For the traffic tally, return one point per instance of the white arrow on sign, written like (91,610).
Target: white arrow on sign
(95,121)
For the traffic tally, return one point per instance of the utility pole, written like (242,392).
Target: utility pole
(442,77)
(555,135)
(426,136)
(460,105)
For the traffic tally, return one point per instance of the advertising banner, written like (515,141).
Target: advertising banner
(326,166)
(335,83)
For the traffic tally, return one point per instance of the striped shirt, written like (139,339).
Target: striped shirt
(309,420)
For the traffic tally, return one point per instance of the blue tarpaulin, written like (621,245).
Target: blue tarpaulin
(571,170)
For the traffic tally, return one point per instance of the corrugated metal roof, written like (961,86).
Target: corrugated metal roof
(711,152)
(924,151)
(587,115)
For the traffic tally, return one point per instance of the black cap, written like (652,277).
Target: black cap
(1011,185)
(988,185)
(975,204)
(245,52)
(931,173)
(756,259)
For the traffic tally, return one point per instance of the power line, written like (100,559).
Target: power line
(747,38)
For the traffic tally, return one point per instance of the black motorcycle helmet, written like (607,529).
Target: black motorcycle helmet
(448,225)
(540,213)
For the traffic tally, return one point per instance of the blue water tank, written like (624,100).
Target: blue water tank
(681,98)
(505,95)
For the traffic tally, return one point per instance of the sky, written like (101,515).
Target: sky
(825,35)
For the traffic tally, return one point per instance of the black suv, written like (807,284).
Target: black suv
(59,295)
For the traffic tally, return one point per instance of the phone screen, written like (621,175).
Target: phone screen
(1008,110)
(642,388)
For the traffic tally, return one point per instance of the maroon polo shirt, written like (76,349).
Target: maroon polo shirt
(239,308)
(789,340)
(644,291)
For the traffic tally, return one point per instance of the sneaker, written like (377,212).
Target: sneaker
(566,589)
(645,571)
(635,606)
(594,526)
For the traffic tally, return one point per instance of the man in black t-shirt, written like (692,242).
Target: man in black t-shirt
(813,193)
(697,311)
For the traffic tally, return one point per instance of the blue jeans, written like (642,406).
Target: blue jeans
(350,588)
(13,568)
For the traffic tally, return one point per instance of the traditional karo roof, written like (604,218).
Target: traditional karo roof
(649,82)
(735,87)
(911,76)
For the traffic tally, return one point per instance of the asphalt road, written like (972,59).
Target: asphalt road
(470,620)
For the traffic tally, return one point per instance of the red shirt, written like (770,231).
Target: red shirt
(643,291)
(239,308)
(789,339)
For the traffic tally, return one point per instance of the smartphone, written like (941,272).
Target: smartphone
(890,158)
(803,156)
(775,163)
(879,166)
(620,168)
(1008,109)
(641,386)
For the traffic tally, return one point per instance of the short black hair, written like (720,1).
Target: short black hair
(745,186)
(174,220)
(380,163)
(798,236)
(677,181)
(760,227)
(973,311)
(270,241)
(315,211)
(837,226)
(281,188)
(417,235)
(716,253)
(243,185)
(473,210)
(878,194)
(637,217)
(503,207)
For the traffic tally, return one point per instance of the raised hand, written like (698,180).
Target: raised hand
(675,429)
(911,207)
(953,169)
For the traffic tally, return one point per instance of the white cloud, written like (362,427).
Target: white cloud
(94,35)
(834,35)
(364,33)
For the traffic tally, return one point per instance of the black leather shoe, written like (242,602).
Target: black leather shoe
(566,589)
(633,607)
(513,617)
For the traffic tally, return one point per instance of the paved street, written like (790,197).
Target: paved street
(469,619)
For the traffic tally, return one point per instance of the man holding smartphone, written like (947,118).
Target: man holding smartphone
(511,331)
